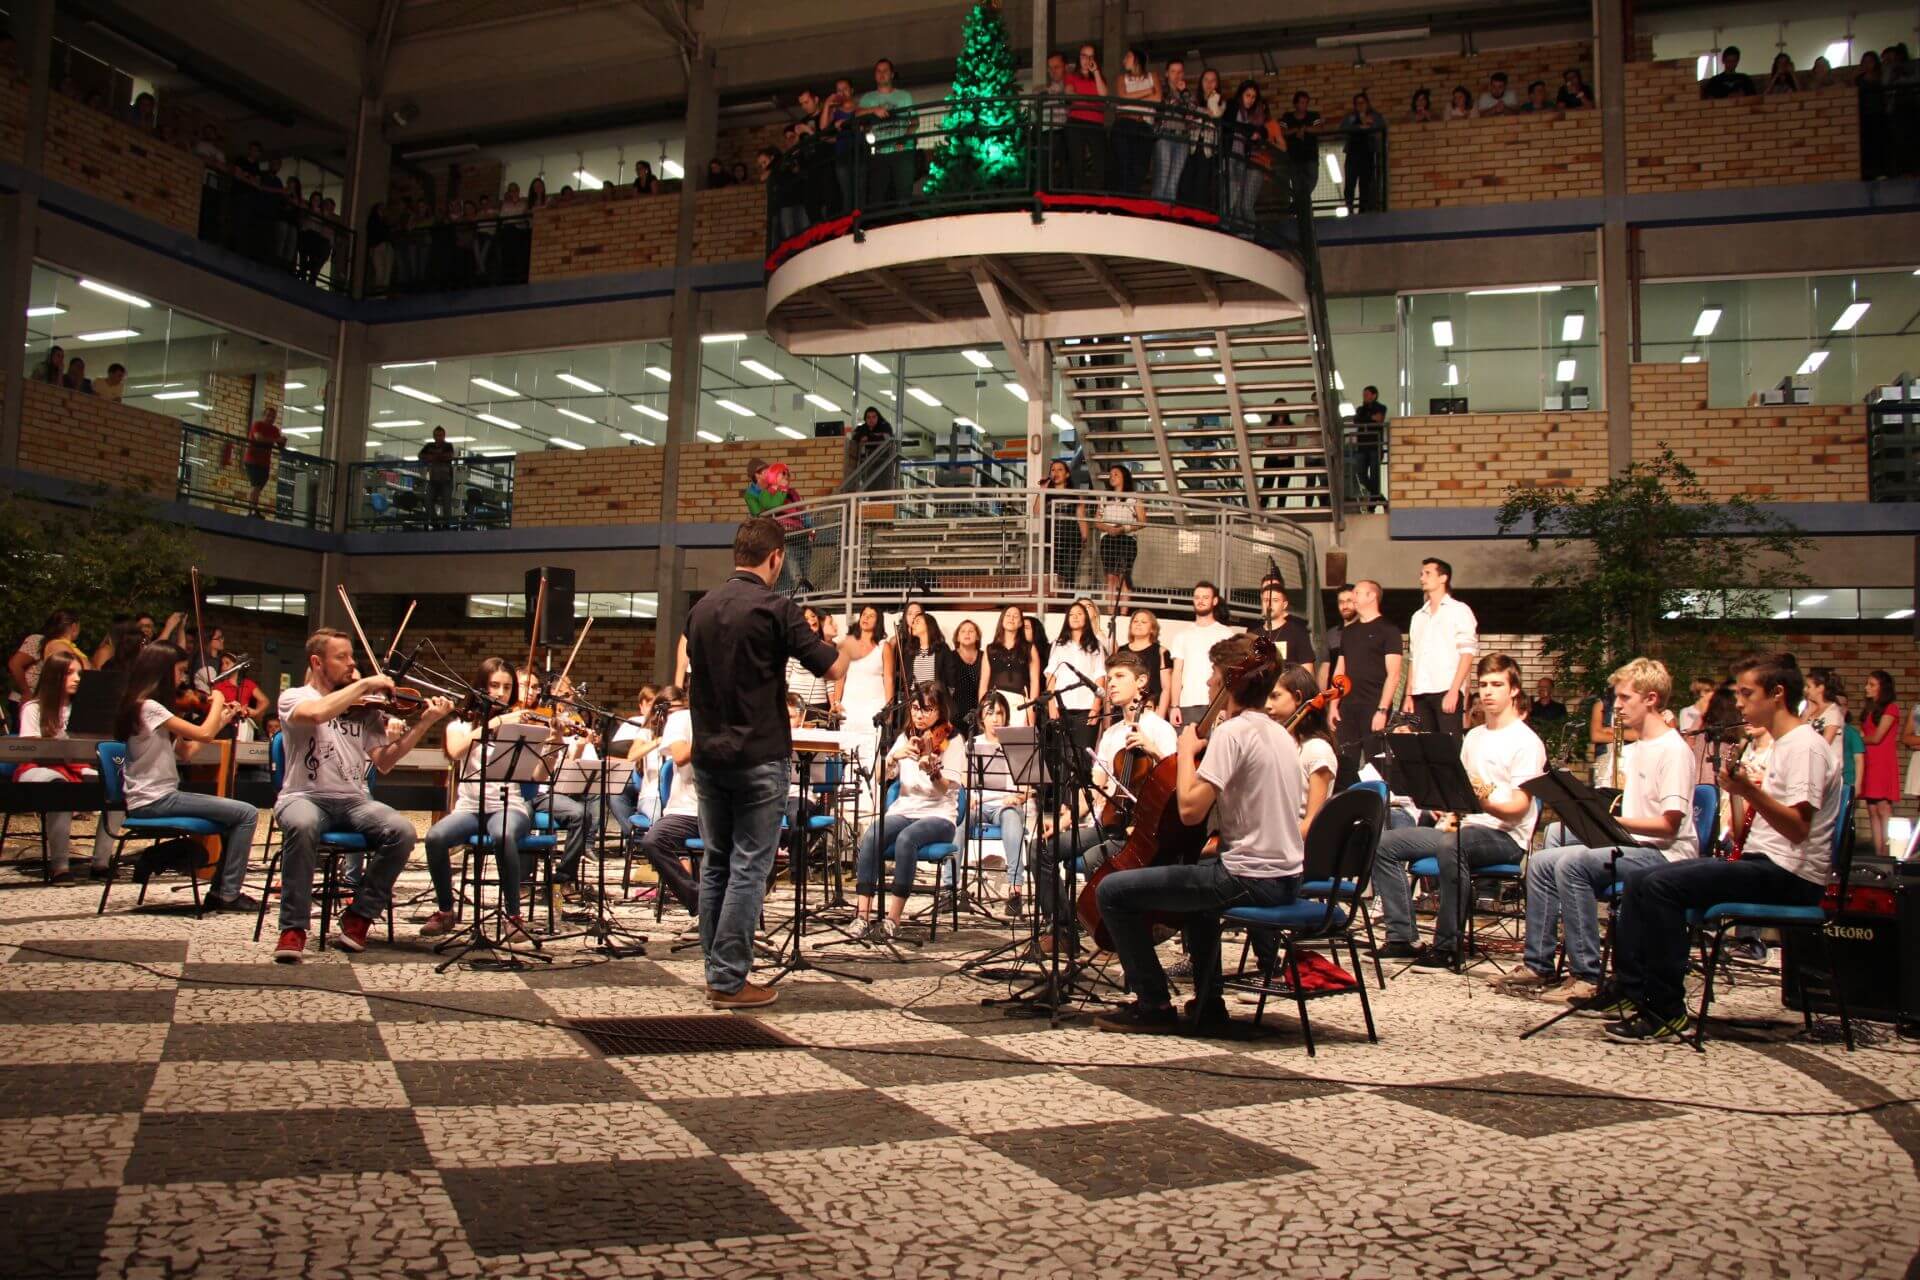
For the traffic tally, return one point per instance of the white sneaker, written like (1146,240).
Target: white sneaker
(861,929)
(888,930)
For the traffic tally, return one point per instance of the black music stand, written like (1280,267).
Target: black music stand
(579,780)
(519,762)
(95,703)
(1025,769)
(1432,775)
(1586,813)
(793,957)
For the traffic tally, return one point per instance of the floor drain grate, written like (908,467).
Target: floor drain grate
(629,1037)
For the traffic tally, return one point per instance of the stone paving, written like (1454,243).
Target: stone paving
(172,1103)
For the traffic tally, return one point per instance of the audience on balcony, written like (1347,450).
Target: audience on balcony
(264,436)
(1497,99)
(1365,130)
(438,456)
(1420,110)
(75,378)
(1731,81)
(114,385)
(1252,135)
(1132,132)
(1780,79)
(1086,122)
(718,175)
(1537,99)
(1460,104)
(644,184)
(1173,131)
(54,368)
(1574,93)
(1297,128)
(890,170)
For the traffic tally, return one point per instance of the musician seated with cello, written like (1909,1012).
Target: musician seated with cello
(930,760)
(1499,755)
(1786,860)
(1127,751)
(1250,783)
(330,737)
(1564,881)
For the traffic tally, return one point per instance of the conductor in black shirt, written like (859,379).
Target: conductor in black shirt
(739,638)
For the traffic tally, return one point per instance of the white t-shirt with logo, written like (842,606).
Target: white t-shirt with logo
(682,800)
(1659,780)
(1505,758)
(1193,647)
(325,761)
(1802,771)
(1254,765)
(152,770)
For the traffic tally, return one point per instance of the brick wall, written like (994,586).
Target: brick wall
(741,145)
(13,118)
(622,486)
(1470,460)
(1813,453)
(1677,141)
(1390,82)
(82,437)
(1549,155)
(614,659)
(730,224)
(91,151)
(592,238)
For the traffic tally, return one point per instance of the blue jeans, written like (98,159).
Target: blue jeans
(304,819)
(906,837)
(507,827)
(740,825)
(1197,892)
(237,817)
(1012,822)
(1650,937)
(1564,882)
(1169,158)
(1483,846)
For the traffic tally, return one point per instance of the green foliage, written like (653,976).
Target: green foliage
(118,556)
(983,148)
(1651,563)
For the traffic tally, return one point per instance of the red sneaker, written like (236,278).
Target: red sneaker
(292,946)
(352,934)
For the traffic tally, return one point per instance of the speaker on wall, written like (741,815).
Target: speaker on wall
(1336,576)
(556,619)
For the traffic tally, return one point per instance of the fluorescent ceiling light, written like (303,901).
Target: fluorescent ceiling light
(1812,363)
(196,404)
(1250,418)
(304,431)
(1333,166)
(106,335)
(34,313)
(924,397)
(1453,376)
(1899,613)
(400,422)
(672,169)
(1704,323)
(732,407)
(412,364)
(1203,352)
(965,422)
(299,408)
(871,365)
(888,393)
(821,402)
(655,371)
(401,388)
(577,417)
(591,388)
(975,358)
(723,337)
(1506,290)
(1816,598)
(119,295)
(628,435)
(790,433)
(175,395)
(1839,53)
(1017,391)
(771,375)
(1443,333)
(1572,325)
(1782,613)
(487,384)
(498,421)
(649,410)
(294,386)
(498,453)
(1851,316)
(1346,409)
(1061,422)
(587,181)
(1341,211)
(1564,371)
(566,444)
(1220,379)
(460,439)
(149,386)
(709,437)
(1339,383)
(1691,359)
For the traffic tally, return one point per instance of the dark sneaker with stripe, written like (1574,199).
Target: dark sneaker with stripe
(1646,1028)
(1140,1019)
(1608,1002)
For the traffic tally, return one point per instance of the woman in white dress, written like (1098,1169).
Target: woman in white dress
(867,687)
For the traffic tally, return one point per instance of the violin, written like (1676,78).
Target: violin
(400,702)
(1337,688)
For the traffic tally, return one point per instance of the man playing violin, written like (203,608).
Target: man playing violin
(1139,730)
(1250,783)
(330,738)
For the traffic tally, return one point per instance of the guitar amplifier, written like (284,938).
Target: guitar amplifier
(1875,945)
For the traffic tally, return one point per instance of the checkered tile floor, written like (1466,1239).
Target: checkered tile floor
(171,1103)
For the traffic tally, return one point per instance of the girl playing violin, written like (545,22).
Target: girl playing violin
(508,820)
(45,716)
(930,761)
(1292,697)
(157,740)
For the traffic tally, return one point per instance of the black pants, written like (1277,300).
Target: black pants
(1087,156)
(1433,718)
(664,845)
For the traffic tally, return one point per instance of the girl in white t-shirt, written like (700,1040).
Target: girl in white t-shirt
(507,820)
(1077,651)
(1318,768)
(45,716)
(157,740)
(930,760)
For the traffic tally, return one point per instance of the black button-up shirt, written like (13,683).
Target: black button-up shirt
(739,637)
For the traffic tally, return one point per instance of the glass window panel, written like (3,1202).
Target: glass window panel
(1501,350)
(1886,602)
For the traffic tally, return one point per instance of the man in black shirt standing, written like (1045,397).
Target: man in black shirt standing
(1370,657)
(1545,709)
(1289,634)
(1369,436)
(1732,82)
(1330,643)
(739,638)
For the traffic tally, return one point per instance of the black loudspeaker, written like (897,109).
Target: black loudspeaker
(556,619)
(1336,568)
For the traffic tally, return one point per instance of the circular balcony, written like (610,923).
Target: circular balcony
(1076,216)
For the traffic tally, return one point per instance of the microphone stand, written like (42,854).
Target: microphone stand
(883,724)
(602,928)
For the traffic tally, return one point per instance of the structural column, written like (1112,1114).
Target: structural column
(683,404)
(20,213)
(368,171)
(1042,43)
(1613,242)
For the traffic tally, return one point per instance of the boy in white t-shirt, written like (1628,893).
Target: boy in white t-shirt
(1656,807)
(1786,860)
(1250,783)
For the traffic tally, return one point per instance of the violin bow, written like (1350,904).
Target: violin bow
(533,632)
(199,627)
(577,642)
(394,646)
(354,618)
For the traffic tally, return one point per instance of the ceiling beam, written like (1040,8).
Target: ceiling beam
(380,50)
(1031,302)
(1250,482)
(673,23)
(1097,270)
(1209,288)
(894,285)
(1152,398)
(1004,328)
(830,303)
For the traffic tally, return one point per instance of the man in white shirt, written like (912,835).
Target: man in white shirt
(1499,756)
(665,844)
(1442,640)
(1192,668)
(329,741)
(1564,881)
(1787,859)
(1497,99)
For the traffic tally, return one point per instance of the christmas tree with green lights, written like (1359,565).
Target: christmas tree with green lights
(982,150)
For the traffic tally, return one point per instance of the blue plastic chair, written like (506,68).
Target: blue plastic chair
(337,848)
(1508,872)
(1321,888)
(1706,816)
(944,853)
(113,758)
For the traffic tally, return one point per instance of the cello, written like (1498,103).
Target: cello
(1160,836)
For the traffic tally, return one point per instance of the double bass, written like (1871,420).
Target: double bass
(1160,835)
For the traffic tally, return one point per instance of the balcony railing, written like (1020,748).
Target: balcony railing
(213,474)
(493,250)
(1109,154)
(470,493)
(267,227)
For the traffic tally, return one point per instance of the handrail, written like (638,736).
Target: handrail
(1320,335)
(400,493)
(239,214)
(878,461)
(466,253)
(299,488)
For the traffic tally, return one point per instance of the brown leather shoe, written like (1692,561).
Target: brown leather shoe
(750,996)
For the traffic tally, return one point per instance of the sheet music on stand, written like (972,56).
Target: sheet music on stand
(95,704)
(1431,773)
(514,756)
(1026,762)
(992,768)
(1582,810)
(580,779)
